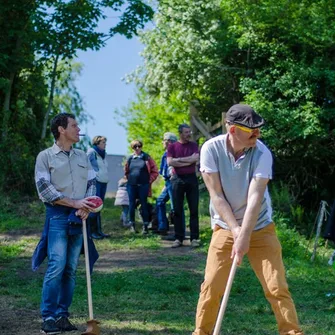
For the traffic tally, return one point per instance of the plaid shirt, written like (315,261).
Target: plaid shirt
(59,174)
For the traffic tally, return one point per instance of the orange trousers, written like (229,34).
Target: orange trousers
(265,258)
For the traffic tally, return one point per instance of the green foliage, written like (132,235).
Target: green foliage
(184,56)
(19,213)
(37,43)
(292,244)
(292,213)
(10,251)
(275,55)
(292,87)
(148,119)
(282,197)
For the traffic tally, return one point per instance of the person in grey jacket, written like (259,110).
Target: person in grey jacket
(97,157)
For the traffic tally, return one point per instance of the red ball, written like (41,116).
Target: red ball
(98,203)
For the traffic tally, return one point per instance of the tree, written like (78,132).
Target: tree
(39,38)
(275,55)
(148,119)
(69,26)
(191,51)
(292,85)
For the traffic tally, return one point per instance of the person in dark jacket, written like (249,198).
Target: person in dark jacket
(141,171)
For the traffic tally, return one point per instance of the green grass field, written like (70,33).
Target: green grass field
(141,286)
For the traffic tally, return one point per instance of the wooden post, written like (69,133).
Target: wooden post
(322,217)
(223,121)
(193,113)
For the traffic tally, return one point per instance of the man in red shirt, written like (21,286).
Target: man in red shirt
(183,156)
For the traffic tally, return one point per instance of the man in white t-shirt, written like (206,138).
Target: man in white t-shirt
(236,168)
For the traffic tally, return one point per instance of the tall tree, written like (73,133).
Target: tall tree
(65,27)
(276,55)
(39,37)
(147,119)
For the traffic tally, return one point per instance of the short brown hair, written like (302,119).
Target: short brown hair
(60,120)
(135,142)
(98,139)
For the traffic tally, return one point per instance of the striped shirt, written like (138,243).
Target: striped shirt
(60,174)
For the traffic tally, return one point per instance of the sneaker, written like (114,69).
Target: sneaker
(145,230)
(195,243)
(129,224)
(50,327)
(132,229)
(176,244)
(96,236)
(65,325)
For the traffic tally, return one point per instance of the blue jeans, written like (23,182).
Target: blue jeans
(163,198)
(140,192)
(59,280)
(101,192)
(101,189)
(124,214)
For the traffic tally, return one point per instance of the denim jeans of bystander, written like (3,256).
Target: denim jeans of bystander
(140,192)
(162,199)
(59,280)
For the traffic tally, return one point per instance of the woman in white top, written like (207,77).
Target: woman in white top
(97,157)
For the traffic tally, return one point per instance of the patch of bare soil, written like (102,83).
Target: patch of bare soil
(27,321)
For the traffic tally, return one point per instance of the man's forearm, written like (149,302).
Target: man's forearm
(68,202)
(176,162)
(183,161)
(224,210)
(189,159)
(255,197)
(251,214)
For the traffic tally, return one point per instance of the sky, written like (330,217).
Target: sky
(103,90)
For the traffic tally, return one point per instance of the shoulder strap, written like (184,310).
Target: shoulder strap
(145,156)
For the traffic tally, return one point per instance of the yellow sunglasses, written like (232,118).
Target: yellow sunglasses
(247,130)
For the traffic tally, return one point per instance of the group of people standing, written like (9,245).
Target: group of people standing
(236,168)
(178,168)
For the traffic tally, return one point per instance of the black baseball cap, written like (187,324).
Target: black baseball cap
(245,116)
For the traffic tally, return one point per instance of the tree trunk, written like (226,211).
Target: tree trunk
(8,95)
(51,97)
(6,106)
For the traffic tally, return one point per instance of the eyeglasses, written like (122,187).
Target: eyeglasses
(247,130)
(137,146)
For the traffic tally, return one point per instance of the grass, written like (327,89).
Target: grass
(141,287)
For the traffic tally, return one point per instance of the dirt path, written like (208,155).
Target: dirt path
(26,321)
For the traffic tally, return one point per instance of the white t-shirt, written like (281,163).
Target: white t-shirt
(236,176)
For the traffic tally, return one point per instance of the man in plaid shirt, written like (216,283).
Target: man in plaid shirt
(64,179)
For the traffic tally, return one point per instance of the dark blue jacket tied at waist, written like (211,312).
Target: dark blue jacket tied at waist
(75,228)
